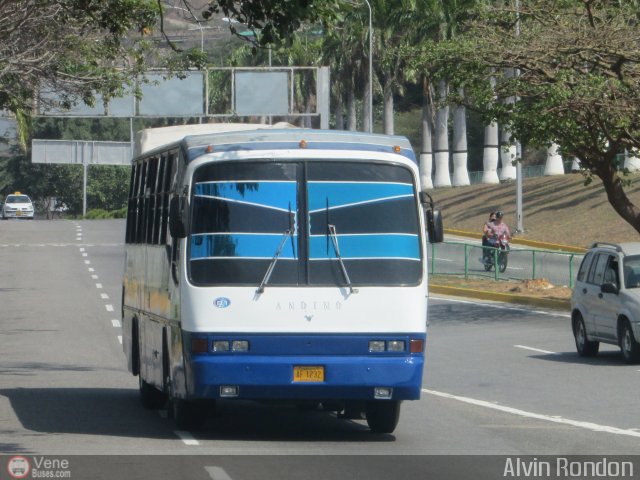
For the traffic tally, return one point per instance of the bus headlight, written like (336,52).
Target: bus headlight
(220,346)
(395,346)
(240,346)
(376,346)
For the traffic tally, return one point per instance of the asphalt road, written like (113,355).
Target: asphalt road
(500,380)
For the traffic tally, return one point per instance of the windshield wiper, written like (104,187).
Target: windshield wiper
(336,247)
(287,233)
(267,275)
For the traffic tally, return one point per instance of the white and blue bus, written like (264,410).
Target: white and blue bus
(276,264)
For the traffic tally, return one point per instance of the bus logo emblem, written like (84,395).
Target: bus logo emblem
(222,302)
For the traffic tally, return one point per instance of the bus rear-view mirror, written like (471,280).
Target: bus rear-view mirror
(435,229)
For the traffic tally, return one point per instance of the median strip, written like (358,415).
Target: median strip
(500,297)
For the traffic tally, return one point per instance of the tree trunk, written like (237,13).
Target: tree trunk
(352,118)
(631,162)
(460,171)
(366,107)
(507,155)
(339,111)
(554,165)
(426,156)
(442,178)
(388,109)
(613,185)
(491,154)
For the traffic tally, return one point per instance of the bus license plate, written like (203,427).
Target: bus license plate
(308,374)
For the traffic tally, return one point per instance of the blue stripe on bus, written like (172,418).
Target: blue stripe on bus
(240,245)
(365,246)
(269,194)
(345,193)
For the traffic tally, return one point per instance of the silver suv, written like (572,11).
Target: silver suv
(605,305)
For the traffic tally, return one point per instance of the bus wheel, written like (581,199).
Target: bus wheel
(150,396)
(383,415)
(189,414)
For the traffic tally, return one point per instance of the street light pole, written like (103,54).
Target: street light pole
(519,219)
(370,67)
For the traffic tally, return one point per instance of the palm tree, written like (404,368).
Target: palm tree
(426,155)
(303,51)
(490,156)
(459,154)
(343,50)
(436,21)
(390,39)
(441,150)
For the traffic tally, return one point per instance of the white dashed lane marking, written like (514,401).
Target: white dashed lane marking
(187,438)
(217,473)
(116,323)
(538,350)
(548,418)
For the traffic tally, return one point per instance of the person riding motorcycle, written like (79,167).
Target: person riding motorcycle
(498,229)
(493,230)
(487,233)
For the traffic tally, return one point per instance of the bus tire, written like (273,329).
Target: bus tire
(383,415)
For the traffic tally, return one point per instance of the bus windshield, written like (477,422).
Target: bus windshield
(344,223)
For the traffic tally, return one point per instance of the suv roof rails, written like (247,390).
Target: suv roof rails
(615,246)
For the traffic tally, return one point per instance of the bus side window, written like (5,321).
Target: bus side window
(140,203)
(169,168)
(157,215)
(150,194)
(131,206)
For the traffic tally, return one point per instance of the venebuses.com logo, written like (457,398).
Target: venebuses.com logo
(18,467)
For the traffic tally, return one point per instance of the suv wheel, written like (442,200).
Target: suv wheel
(585,347)
(628,345)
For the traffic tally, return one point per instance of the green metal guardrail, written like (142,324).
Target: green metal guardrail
(523,264)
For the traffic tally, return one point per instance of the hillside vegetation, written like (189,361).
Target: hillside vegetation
(558,209)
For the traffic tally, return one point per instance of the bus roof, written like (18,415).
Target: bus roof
(296,138)
(204,138)
(153,138)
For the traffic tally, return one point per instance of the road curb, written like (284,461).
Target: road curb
(521,241)
(501,297)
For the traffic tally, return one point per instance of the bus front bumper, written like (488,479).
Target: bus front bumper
(269,377)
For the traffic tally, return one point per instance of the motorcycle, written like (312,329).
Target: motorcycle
(499,258)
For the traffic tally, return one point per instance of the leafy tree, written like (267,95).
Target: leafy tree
(579,71)
(273,21)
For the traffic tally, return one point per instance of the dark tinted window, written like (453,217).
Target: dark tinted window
(241,211)
(596,274)
(372,210)
(584,266)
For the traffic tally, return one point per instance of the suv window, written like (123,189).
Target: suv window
(584,266)
(631,269)
(611,273)
(596,275)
